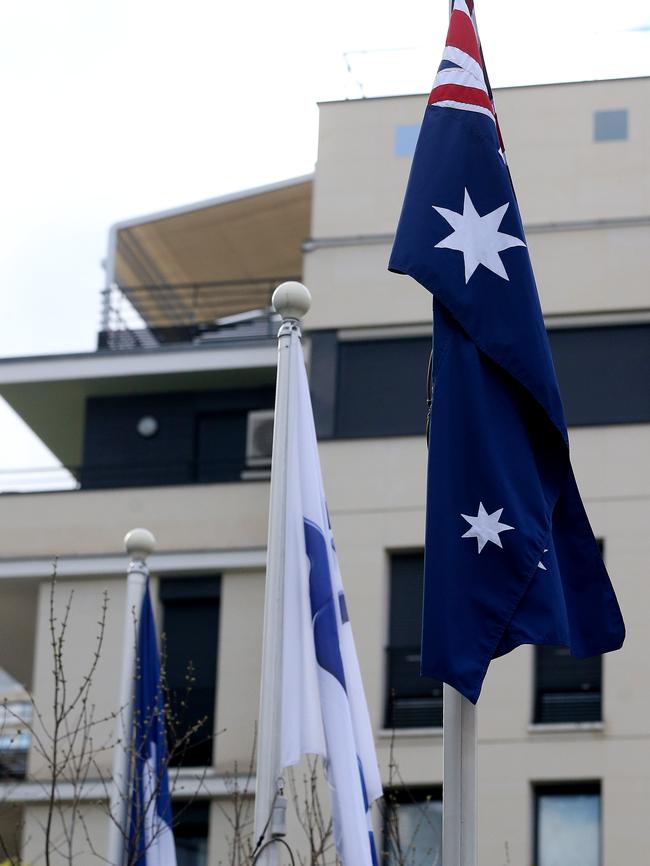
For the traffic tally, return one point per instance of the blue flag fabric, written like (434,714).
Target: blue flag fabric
(151,841)
(510,557)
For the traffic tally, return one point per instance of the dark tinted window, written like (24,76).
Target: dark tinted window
(191,825)
(382,387)
(603,373)
(566,689)
(412,701)
(378,387)
(190,628)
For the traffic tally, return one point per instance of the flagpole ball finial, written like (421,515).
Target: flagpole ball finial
(292,300)
(139,543)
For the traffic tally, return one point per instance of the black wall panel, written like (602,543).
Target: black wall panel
(380,385)
(201,437)
(604,373)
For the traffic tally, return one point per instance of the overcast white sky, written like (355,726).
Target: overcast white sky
(116,108)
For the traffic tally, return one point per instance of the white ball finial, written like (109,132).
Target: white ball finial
(292,300)
(139,543)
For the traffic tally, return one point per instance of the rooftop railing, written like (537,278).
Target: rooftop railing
(148,317)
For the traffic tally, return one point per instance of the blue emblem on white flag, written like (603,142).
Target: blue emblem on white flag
(510,556)
(151,841)
(324,709)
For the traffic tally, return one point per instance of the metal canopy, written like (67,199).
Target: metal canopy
(199,263)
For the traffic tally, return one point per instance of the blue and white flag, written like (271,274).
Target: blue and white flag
(324,709)
(510,556)
(151,841)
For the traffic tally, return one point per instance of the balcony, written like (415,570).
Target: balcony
(189,275)
(186,314)
(208,313)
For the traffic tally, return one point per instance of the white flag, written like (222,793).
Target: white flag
(324,709)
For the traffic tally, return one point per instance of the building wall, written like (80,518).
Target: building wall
(562,176)
(376,486)
(84,846)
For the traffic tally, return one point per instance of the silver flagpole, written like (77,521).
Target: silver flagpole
(459,786)
(459,764)
(139,544)
(292,300)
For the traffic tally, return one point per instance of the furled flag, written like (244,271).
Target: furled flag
(324,708)
(510,557)
(151,841)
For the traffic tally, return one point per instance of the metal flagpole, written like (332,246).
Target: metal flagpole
(139,544)
(459,785)
(459,764)
(292,300)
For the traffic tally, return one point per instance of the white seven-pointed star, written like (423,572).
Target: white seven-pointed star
(478,237)
(485,527)
(540,564)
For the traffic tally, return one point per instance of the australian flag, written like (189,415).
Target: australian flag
(510,556)
(151,841)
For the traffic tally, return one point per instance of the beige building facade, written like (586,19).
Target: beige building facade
(554,740)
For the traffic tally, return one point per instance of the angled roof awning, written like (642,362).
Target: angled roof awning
(202,262)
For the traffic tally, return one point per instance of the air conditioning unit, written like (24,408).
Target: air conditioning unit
(259,444)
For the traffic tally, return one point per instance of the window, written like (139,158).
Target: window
(190,630)
(412,701)
(591,363)
(378,387)
(382,387)
(406,137)
(413,826)
(610,125)
(566,689)
(191,824)
(567,825)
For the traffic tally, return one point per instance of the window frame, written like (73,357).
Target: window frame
(388,711)
(396,795)
(565,788)
(534,723)
(192,588)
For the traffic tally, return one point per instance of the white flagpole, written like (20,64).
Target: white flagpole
(459,764)
(459,786)
(292,300)
(139,544)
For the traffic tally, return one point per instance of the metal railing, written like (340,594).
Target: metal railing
(91,476)
(146,317)
(39,479)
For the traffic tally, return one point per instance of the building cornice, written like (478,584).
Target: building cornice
(312,244)
(178,563)
(199,782)
(150,362)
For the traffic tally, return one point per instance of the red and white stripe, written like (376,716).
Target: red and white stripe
(465,87)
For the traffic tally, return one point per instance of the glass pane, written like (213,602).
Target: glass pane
(420,835)
(191,822)
(191,852)
(568,830)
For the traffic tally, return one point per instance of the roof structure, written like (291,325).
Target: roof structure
(212,259)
